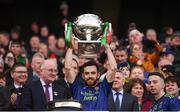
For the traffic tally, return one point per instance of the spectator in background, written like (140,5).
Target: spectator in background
(52,41)
(16,48)
(167,31)
(168,70)
(34,29)
(43,49)
(145,59)
(151,34)
(44,34)
(61,47)
(9,61)
(175,45)
(4,39)
(167,55)
(15,33)
(135,36)
(150,41)
(163,62)
(172,86)
(125,69)
(121,55)
(34,70)
(131,26)
(34,45)
(137,72)
(137,88)
(163,101)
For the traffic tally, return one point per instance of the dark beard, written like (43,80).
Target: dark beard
(92,85)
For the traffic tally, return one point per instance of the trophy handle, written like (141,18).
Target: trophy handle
(68,34)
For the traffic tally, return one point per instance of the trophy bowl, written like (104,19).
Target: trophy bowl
(88,27)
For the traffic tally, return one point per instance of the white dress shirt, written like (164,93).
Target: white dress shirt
(120,96)
(50,89)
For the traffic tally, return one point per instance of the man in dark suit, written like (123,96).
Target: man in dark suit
(11,95)
(118,100)
(38,93)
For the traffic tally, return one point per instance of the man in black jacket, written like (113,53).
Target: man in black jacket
(118,99)
(10,96)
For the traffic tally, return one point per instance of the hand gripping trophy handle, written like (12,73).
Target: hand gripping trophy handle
(68,34)
(106,37)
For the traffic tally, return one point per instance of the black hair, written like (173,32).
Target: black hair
(90,63)
(156,74)
(173,79)
(121,48)
(17,65)
(16,42)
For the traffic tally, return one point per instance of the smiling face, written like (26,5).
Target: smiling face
(172,88)
(137,90)
(19,75)
(120,56)
(118,82)
(90,75)
(49,71)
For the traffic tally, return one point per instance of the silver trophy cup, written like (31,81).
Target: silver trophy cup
(87,30)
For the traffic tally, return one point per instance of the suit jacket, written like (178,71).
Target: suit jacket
(5,98)
(65,84)
(34,97)
(31,78)
(129,102)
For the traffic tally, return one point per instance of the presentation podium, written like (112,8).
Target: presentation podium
(64,105)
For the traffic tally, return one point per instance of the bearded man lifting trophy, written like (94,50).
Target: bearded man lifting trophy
(90,33)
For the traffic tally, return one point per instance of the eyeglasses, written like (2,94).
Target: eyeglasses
(21,72)
(52,70)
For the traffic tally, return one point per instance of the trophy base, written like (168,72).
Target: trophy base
(89,50)
(87,56)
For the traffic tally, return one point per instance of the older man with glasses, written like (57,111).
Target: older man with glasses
(37,94)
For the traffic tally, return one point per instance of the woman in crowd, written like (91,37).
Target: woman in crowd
(137,88)
(9,61)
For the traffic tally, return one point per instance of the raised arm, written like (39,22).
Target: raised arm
(112,63)
(69,72)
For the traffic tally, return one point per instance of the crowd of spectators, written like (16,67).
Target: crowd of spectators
(139,72)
